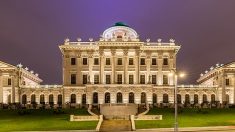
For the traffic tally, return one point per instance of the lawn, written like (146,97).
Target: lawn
(190,118)
(40,120)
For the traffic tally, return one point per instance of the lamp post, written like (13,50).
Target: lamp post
(175,75)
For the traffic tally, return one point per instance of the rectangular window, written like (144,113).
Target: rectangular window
(154,79)
(142,61)
(165,61)
(96,61)
(108,80)
(154,61)
(73,61)
(73,78)
(131,61)
(119,61)
(84,79)
(107,61)
(84,61)
(131,79)
(165,80)
(227,82)
(96,79)
(119,78)
(142,79)
(9,81)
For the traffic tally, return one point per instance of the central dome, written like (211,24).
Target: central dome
(120,31)
(120,24)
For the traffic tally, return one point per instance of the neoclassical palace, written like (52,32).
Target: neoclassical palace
(118,68)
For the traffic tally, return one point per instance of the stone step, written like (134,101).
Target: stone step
(115,125)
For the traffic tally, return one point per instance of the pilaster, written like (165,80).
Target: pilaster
(1,89)
(90,65)
(159,75)
(137,66)
(101,76)
(125,64)
(113,52)
(12,89)
(148,67)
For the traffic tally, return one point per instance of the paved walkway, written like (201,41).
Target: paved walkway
(192,129)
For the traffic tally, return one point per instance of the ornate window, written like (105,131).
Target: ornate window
(165,61)
(165,98)
(9,81)
(119,61)
(33,99)
(24,99)
(73,61)
(51,100)
(73,78)
(195,99)
(142,61)
(107,61)
(84,79)
(187,99)
(154,98)
(59,101)
(83,99)
(131,97)
(95,98)
(143,97)
(96,79)
(154,79)
(227,81)
(42,99)
(96,61)
(131,61)
(154,61)
(73,98)
(178,98)
(165,80)
(84,61)
(212,98)
(131,79)
(108,79)
(107,97)
(119,78)
(204,98)
(142,79)
(119,97)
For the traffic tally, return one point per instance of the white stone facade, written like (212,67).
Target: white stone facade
(119,68)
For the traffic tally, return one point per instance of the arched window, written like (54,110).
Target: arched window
(131,97)
(195,99)
(187,99)
(165,98)
(107,97)
(24,99)
(42,99)
(9,99)
(95,98)
(178,98)
(84,99)
(212,98)
(73,98)
(154,98)
(59,101)
(51,100)
(143,97)
(204,98)
(119,97)
(33,99)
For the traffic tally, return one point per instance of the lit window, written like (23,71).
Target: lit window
(165,80)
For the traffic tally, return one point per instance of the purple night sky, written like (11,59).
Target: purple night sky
(30,31)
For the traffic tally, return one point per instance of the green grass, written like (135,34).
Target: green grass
(190,118)
(41,120)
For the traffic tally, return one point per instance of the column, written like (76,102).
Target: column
(1,89)
(159,75)
(233,88)
(223,87)
(148,63)
(12,89)
(113,63)
(125,64)
(90,65)
(79,73)
(101,76)
(137,66)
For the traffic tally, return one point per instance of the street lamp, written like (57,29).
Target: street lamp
(181,75)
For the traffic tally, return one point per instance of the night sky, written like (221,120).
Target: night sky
(31,31)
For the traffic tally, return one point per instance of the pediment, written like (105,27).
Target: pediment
(5,65)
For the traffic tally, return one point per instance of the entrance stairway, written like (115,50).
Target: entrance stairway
(115,125)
